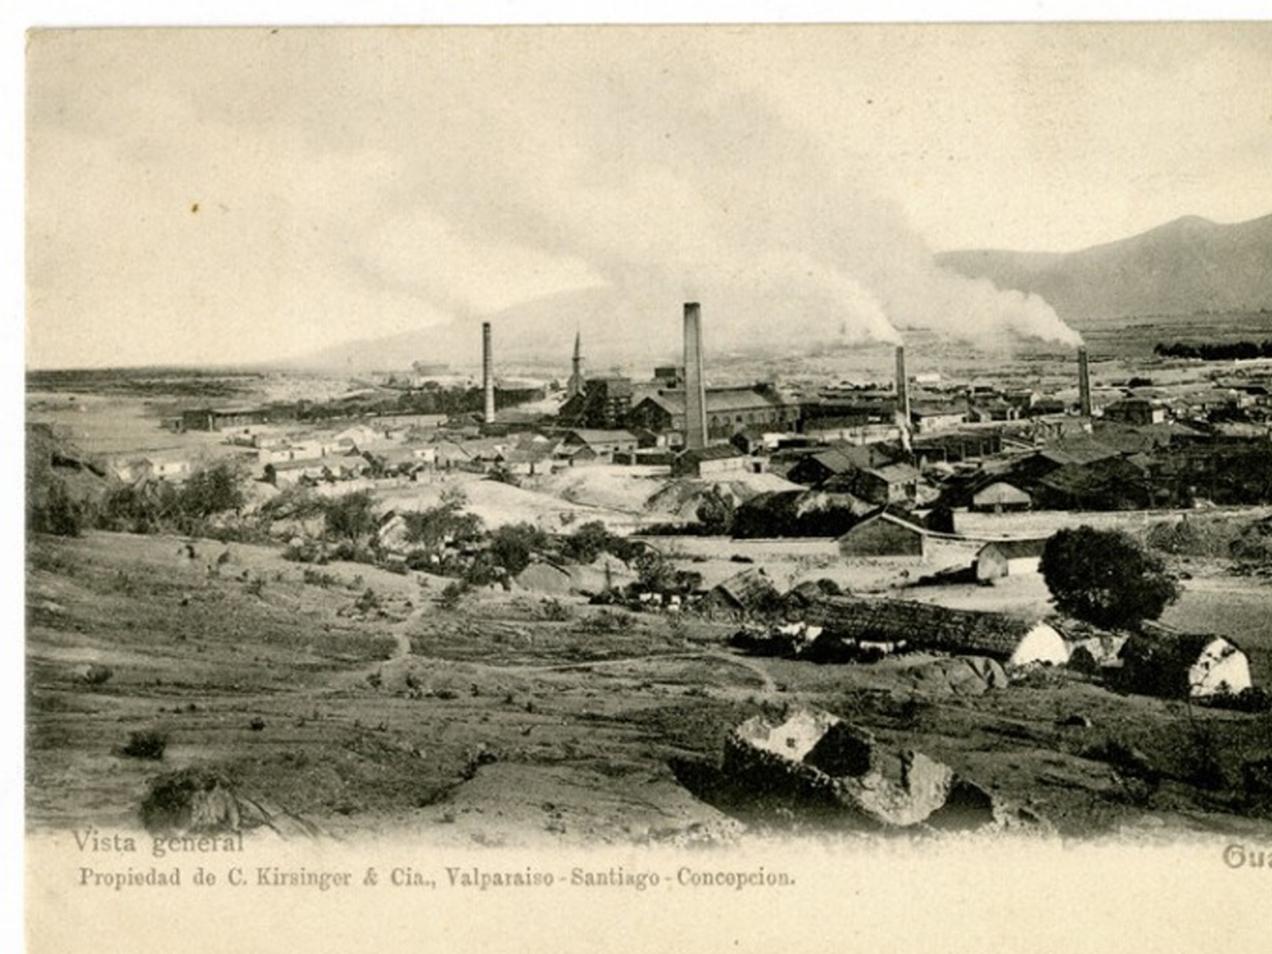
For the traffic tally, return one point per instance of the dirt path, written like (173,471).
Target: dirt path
(755,667)
(746,662)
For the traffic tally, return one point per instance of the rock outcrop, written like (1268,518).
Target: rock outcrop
(815,763)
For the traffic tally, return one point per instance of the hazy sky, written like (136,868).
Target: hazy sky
(222,196)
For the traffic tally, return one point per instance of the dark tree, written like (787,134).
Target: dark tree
(512,546)
(715,513)
(1105,577)
(588,542)
(351,516)
(213,489)
(59,514)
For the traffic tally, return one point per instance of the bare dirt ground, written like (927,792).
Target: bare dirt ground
(511,720)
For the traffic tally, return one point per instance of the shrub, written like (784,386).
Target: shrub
(305,552)
(192,799)
(95,674)
(350,516)
(512,546)
(212,489)
(655,572)
(605,622)
(59,514)
(446,523)
(1105,577)
(137,510)
(452,594)
(1249,699)
(715,512)
(587,542)
(145,745)
(418,559)
(555,611)
(482,571)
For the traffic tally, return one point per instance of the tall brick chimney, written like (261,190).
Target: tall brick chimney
(1084,383)
(487,374)
(695,388)
(903,389)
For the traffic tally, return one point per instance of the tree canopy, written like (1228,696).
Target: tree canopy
(1105,577)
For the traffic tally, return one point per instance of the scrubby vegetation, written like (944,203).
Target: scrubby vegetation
(1215,351)
(351,516)
(145,745)
(58,514)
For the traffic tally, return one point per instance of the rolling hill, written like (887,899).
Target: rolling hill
(1182,267)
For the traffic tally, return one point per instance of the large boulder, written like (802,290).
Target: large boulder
(191,800)
(961,675)
(816,763)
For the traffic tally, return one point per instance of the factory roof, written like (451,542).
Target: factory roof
(894,473)
(597,436)
(712,452)
(721,400)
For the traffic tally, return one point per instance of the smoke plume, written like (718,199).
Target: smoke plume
(672,186)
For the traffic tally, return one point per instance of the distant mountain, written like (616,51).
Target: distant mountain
(539,331)
(1186,266)
(1182,267)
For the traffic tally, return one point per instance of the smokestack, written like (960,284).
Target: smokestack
(695,389)
(1084,383)
(487,373)
(903,388)
(903,399)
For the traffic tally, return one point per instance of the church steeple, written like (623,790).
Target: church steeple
(576,383)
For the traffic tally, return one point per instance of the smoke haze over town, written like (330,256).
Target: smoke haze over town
(787,180)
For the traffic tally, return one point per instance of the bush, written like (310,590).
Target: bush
(137,510)
(418,559)
(655,572)
(95,674)
(592,539)
(59,514)
(1249,699)
(350,516)
(512,546)
(555,611)
(212,489)
(446,523)
(587,542)
(716,513)
(1105,577)
(305,552)
(317,578)
(452,594)
(145,745)
(192,799)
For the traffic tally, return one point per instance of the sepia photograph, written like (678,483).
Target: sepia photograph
(658,462)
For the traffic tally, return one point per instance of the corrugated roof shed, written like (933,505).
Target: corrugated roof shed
(919,625)
(750,589)
(597,436)
(1016,549)
(711,452)
(895,473)
(721,400)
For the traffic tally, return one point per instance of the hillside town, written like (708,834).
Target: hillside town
(858,524)
(475,439)
(919,442)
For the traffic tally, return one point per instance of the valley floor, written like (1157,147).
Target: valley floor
(514,719)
